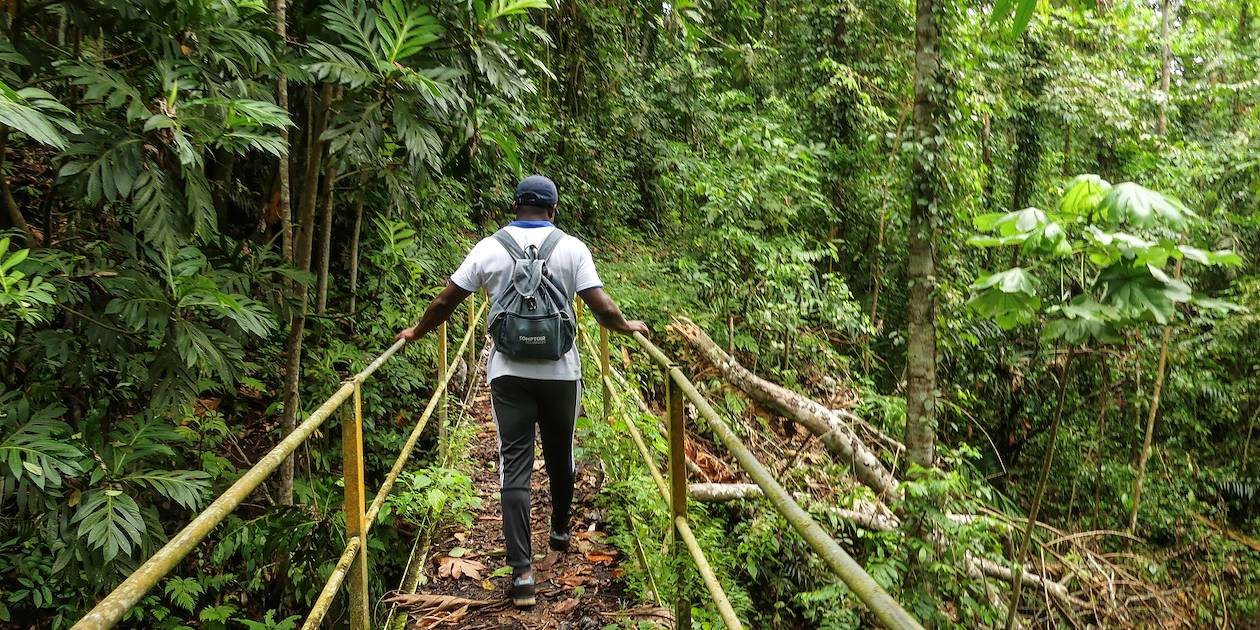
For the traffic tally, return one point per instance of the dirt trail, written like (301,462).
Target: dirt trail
(577,590)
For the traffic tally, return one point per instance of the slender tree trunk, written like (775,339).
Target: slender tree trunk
(286,213)
(354,240)
(1241,40)
(877,267)
(12,211)
(1247,445)
(303,237)
(1066,171)
(325,245)
(1103,407)
(986,157)
(1160,368)
(921,266)
(1017,583)
(1165,69)
(285,493)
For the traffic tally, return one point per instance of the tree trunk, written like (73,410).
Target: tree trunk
(1242,469)
(986,157)
(870,516)
(283,165)
(12,211)
(721,492)
(1151,413)
(1103,407)
(1066,171)
(1017,582)
(921,266)
(877,266)
(834,432)
(325,245)
(1165,68)
(354,240)
(1242,39)
(305,231)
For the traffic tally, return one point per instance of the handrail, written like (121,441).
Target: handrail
(110,610)
(885,608)
(326,594)
(679,520)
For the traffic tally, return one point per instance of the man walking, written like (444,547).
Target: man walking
(531,270)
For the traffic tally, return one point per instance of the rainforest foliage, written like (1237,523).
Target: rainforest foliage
(996,229)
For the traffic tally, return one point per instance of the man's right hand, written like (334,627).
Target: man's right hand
(410,334)
(636,326)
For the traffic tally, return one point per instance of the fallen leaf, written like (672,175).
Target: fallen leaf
(600,558)
(565,606)
(455,568)
(574,581)
(547,563)
(458,552)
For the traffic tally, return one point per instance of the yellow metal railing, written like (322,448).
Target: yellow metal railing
(353,562)
(679,390)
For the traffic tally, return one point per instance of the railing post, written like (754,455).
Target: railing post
(604,371)
(472,325)
(356,523)
(678,492)
(441,377)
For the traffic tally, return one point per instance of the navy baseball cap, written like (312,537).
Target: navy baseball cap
(536,190)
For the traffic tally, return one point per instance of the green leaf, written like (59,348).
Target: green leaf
(1084,319)
(110,521)
(1011,223)
(185,487)
(26,111)
(1143,293)
(183,592)
(1083,194)
(504,8)
(1133,204)
(405,30)
(1023,14)
(1008,297)
(355,24)
(1220,306)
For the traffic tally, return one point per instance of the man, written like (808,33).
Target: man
(525,392)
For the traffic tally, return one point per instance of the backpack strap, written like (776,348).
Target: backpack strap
(513,249)
(549,244)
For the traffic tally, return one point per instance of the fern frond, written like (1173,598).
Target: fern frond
(405,30)
(352,20)
(110,521)
(335,64)
(27,111)
(38,451)
(185,487)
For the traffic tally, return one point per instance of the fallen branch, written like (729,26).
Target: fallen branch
(834,432)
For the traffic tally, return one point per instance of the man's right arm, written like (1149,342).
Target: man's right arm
(607,313)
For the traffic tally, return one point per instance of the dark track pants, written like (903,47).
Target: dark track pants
(519,404)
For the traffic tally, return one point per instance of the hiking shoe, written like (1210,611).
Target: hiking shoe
(559,542)
(523,591)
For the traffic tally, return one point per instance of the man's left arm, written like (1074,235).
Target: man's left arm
(438,311)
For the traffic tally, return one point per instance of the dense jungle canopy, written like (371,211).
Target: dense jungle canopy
(1014,243)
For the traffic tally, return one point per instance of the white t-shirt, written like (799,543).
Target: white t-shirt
(489,265)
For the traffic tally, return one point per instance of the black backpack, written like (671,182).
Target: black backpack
(531,318)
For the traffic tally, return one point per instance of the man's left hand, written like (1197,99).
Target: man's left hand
(410,334)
